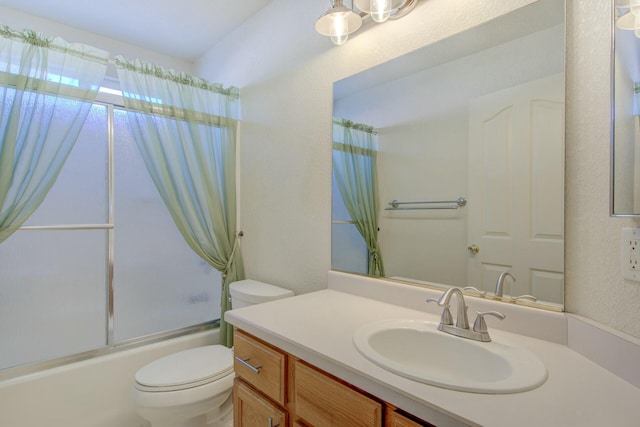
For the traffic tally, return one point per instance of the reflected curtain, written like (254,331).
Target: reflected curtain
(47,87)
(185,129)
(354,168)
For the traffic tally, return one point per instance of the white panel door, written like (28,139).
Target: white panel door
(516,189)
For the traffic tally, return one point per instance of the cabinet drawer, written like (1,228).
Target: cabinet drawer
(395,419)
(251,410)
(260,365)
(322,401)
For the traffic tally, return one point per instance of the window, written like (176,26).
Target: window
(100,263)
(348,249)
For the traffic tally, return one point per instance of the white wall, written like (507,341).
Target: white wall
(286,73)
(594,284)
(426,161)
(18,21)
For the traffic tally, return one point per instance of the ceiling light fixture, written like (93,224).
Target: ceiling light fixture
(379,10)
(628,17)
(340,21)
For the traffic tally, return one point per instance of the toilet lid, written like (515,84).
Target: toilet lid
(185,369)
(257,292)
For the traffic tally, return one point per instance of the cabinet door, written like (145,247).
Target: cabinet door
(252,410)
(395,419)
(322,401)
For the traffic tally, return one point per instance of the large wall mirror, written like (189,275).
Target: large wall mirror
(625,152)
(449,162)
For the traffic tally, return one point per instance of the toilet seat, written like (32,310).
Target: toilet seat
(186,369)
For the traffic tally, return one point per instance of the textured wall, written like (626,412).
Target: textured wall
(594,285)
(286,73)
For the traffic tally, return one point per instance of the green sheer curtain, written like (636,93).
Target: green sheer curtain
(185,129)
(354,169)
(47,87)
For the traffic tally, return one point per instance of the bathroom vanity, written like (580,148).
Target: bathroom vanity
(275,388)
(305,346)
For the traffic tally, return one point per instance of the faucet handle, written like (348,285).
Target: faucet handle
(442,301)
(480,325)
(529,298)
(445,318)
(474,290)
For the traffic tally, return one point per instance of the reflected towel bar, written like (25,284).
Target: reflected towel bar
(395,205)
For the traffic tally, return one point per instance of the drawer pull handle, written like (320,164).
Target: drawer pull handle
(271,423)
(245,362)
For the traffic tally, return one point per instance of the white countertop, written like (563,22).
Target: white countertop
(318,327)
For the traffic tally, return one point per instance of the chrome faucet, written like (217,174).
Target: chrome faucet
(500,283)
(499,292)
(461,328)
(462,321)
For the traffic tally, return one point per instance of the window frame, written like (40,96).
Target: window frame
(111,101)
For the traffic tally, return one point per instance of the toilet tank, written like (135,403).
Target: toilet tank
(249,292)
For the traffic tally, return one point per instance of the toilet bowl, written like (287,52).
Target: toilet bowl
(186,389)
(193,388)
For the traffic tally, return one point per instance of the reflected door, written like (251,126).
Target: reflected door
(516,189)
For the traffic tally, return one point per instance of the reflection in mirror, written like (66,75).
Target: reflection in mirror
(625,180)
(466,158)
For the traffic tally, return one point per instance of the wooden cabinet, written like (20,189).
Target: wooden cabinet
(393,418)
(260,365)
(250,409)
(322,401)
(273,388)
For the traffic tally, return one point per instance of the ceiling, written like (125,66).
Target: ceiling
(181,29)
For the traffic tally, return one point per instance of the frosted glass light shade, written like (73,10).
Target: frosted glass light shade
(629,21)
(380,10)
(338,22)
(626,21)
(634,6)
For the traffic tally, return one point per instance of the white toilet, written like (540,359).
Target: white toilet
(192,388)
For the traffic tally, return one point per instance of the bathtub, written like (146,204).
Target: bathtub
(91,393)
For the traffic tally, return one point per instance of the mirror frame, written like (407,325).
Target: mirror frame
(612,142)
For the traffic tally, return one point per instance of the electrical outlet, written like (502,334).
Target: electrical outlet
(630,245)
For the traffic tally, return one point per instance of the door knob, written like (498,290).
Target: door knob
(473,249)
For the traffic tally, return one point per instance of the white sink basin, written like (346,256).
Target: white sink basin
(417,350)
